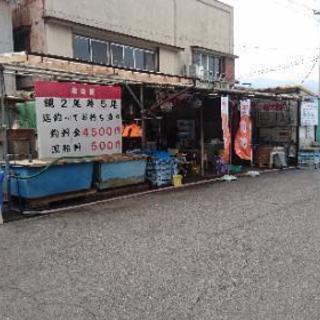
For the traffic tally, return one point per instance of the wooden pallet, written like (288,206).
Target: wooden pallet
(46,202)
(263,165)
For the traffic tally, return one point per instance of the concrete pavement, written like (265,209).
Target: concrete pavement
(243,250)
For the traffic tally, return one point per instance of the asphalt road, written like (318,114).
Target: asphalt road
(243,250)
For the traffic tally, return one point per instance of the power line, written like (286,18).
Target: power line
(282,67)
(295,6)
(310,72)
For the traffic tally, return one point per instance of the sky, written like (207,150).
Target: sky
(277,41)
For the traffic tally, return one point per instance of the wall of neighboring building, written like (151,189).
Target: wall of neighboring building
(6,40)
(164,24)
(59,40)
(29,15)
(207,24)
(230,69)
(183,23)
(169,61)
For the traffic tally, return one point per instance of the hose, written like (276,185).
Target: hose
(52,163)
(48,167)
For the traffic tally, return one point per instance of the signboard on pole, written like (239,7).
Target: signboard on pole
(226,128)
(309,114)
(243,141)
(75,120)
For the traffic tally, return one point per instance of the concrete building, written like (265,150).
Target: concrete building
(6,38)
(183,37)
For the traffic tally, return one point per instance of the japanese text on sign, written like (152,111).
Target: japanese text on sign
(78,119)
(309,113)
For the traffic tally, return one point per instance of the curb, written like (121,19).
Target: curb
(141,194)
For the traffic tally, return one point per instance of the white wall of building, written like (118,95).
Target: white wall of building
(59,39)
(176,23)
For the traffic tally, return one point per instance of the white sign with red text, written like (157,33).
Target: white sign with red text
(309,113)
(78,119)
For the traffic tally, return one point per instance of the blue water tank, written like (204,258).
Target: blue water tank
(1,187)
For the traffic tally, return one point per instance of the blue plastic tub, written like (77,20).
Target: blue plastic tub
(120,174)
(59,179)
(1,188)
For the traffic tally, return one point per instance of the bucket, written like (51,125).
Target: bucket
(177,181)
(235,169)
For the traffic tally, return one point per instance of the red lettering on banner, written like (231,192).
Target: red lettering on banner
(85,132)
(94,132)
(110,145)
(102,145)
(273,106)
(102,132)
(109,131)
(117,130)
(94,146)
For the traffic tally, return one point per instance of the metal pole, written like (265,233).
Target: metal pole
(4,135)
(230,109)
(317,128)
(143,120)
(2,92)
(298,130)
(252,129)
(319,75)
(202,142)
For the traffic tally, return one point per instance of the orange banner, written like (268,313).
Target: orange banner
(225,128)
(243,141)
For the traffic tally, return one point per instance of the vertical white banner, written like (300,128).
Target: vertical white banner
(226,128)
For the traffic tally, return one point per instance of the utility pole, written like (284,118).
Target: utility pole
(317,13)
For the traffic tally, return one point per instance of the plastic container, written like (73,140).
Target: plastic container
(59,179)
(177,181)
(1,188)
(120,174)
(235,169)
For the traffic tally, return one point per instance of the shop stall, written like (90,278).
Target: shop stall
(189,129)
(86,129)
(309,150)
(275,132)
(289,125)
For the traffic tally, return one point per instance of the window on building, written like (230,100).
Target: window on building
(133,58)
(81,47)
(120,55)
(129,57)
(100,51)
(212,65)
(117,55)
(149,60)
(139,59)
(22,39)
(196,58)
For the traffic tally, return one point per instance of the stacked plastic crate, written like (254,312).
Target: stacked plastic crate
(317,159)
(160,169)
(309,159)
